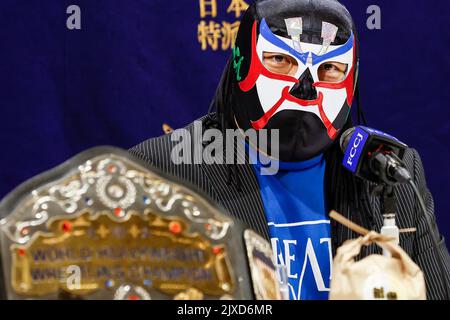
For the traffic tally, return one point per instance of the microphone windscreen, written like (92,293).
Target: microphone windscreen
(345,138)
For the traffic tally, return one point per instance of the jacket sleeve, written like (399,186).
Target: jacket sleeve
(424,253)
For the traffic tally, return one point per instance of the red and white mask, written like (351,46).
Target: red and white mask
(308,105)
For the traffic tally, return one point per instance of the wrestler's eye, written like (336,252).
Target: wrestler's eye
(332,71)
(280,59)
(280,63)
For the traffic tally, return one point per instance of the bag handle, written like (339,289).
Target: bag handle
(358,229)
(370,237)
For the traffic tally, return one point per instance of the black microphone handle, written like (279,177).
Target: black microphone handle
(388,168)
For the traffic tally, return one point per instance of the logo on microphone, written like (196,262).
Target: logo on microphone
(354,149)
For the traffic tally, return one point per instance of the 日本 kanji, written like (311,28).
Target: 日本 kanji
(212,34)
(237,6)
(208,7)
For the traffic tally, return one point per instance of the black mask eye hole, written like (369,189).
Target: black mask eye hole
(332,71)
(280,63)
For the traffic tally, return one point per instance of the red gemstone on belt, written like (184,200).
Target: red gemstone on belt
(175,227)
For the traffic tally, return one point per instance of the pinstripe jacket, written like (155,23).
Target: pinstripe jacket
(353,199)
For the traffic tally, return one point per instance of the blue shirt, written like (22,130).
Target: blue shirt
(299,225)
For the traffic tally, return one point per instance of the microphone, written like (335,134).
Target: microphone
(374,155)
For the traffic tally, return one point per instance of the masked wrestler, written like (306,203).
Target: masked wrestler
(294,68)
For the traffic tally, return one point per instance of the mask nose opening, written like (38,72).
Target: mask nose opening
(304,88)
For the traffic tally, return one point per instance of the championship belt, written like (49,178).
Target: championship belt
(106,225)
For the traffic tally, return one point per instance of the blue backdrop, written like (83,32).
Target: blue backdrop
(138,63)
